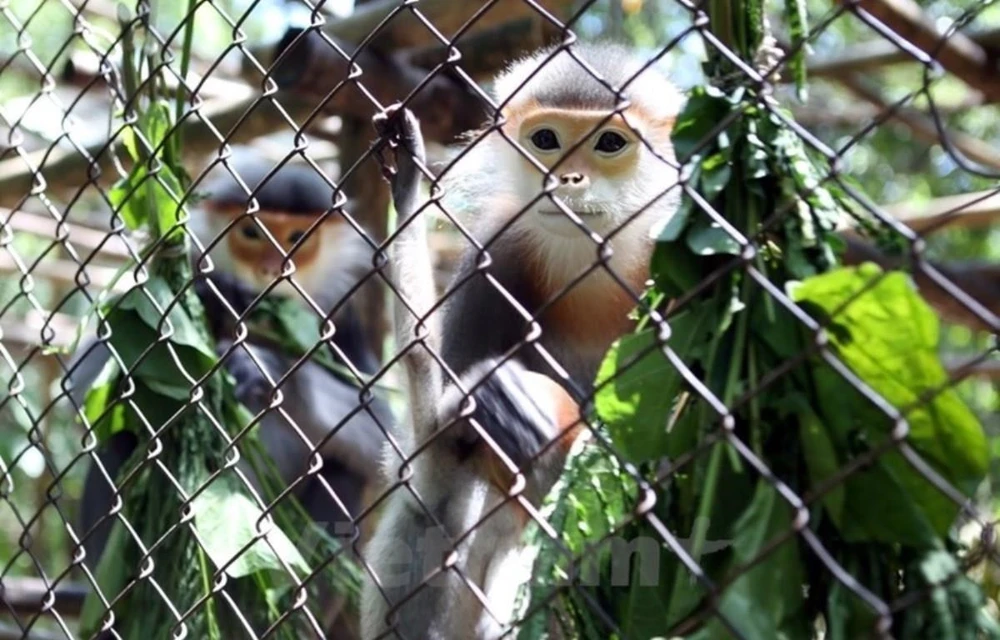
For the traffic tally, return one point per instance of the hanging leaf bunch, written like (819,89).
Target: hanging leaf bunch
(190,526)
(789,423)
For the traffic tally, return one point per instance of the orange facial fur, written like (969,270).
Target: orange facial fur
(250,245)
(573,126)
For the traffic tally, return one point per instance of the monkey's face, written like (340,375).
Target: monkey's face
(602,169)
(259,249)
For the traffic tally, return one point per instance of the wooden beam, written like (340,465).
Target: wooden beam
(25,332)
(10,632)
(922,125)
(25,596)
(79,236)
(967,210)
(61,169)
(484,53)
(83,69)
(989,369)
(875,54)
(67,271)
(307,65)
(405,30)
(957,53)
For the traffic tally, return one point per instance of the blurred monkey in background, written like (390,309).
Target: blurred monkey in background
(566,227)
(330,258)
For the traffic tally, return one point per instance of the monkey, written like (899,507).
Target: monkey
(616,179)
(614,170)
(458,476)
(330,258)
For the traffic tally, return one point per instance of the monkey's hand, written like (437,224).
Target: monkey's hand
(400,127)
(529,417)
(252,386)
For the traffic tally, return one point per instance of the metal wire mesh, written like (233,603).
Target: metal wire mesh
(68,246)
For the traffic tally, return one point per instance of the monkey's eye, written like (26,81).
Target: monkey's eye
(545,140)
(250,231)
(610,142)
(295,236)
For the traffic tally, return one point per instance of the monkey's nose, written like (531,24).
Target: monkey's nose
(574,179)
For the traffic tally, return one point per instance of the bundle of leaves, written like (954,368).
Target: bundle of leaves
(784,435)
(190,525)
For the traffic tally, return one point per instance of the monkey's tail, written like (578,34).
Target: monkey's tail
(417,333)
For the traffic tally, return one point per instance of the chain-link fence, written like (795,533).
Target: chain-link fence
(764,304)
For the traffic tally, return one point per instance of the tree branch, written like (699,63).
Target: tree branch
(923,126)
(957,52)
(61,169)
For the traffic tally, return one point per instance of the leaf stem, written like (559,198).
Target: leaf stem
(185,65)
(212,622)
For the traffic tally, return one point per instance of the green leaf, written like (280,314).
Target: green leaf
(123,197)
(956,606)
(848,617)
(796,17)
(101,390)
(591,497)
(821,459)
(112,575)
(705,109)
(178,324)
(891,342)
(132,338)
(767,599)
(674,225)
(636,402)
(142,194)
(155,122)
(707,237)
(716,171)
(674,268)
(226,521)
(296,322)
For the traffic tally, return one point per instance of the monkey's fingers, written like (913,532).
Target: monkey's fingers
(398,123)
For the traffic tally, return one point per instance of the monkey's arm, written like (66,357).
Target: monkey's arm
(411,271)
(327,410)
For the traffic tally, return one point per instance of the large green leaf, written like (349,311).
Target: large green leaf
(889,336)
(636,402)
(707,237)
(767,600)
(145,356)
(226,521)
(705,109)
(177,323)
